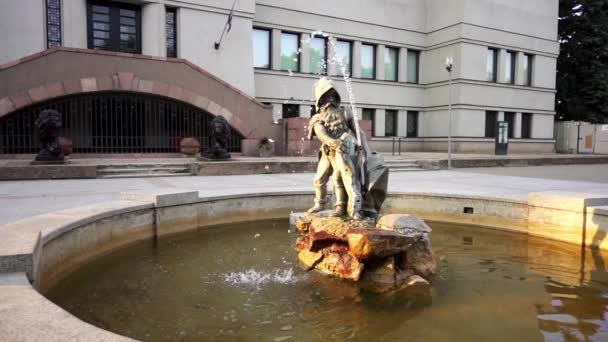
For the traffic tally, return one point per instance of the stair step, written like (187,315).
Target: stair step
(147,170)
(145,175)
(406,169)
(140,166)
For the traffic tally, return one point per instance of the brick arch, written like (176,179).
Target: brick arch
(47,75)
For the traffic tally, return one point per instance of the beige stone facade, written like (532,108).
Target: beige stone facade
(520,32)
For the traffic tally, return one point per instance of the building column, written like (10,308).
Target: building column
(277,111)
(500,67)
(379,122)
(305,53)
(356,59)
(380,62)
(402,123)
(275,50)
(402,65)
(519,69)
(74,22)
(331,54)
(517,126)
(501,116)
(153,36)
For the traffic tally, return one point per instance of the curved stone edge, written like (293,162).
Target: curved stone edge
(22,243)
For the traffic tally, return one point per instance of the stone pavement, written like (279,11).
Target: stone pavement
(20,199)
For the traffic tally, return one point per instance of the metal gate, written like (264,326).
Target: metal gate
(113,122)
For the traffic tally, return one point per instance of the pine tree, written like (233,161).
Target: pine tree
(582,67)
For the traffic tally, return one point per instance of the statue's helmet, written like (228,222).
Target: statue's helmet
(322,86)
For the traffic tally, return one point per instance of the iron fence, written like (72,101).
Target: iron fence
(113,122)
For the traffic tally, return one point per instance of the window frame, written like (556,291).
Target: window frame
(373,119)
(299,47)
(292,105)
(526,128)
(413,114)
(325,52)
(417,53)
(269,31)
(492,129)
(174,11)
(396,49)
(512,57)
(53,43)
(114,23)
(529,59)
(374,73)
(350,56)
(395,115)
(495,65)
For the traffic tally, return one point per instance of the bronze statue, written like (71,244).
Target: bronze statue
(48,125)
(357,193)
(219,137)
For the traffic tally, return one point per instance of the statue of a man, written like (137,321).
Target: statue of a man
(338,153)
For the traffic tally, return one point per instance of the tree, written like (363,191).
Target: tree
(582,66)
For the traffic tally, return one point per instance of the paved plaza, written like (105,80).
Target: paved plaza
(20,199)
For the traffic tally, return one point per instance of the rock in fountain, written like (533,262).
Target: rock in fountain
(392,254)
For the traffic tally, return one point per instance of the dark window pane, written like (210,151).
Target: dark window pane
(53,23)
(491,117)
(390,64)
(101,17)
(101,43)
(343,50)
(526,125)
(127,13)
(101,34)
(491,65)
(390,123)
(101,26)
(510,118)
(510,67)
(291,111)
(171,32)
(412,124)
(127,21)
(100,9)
(127,29)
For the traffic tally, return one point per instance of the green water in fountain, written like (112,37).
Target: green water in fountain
(241,283)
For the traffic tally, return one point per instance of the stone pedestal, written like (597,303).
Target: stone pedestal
(391,254)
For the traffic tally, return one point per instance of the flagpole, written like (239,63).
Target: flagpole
(217,44)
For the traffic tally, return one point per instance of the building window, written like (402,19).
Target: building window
(261,48)
(344,53)
(318,56)
(412,124)
(114,26)
(291,111)
(413,66)
(510,67)
(510,118)
(526,125)
(369,114)
(290,55)
(390,63)
(528,62)
(491,65)
(368,61)
(171,27)
(53,23)
(390,123)
(491,117)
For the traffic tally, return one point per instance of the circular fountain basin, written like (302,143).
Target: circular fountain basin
(242,282)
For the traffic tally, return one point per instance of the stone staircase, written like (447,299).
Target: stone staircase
(402,166)
(139,170)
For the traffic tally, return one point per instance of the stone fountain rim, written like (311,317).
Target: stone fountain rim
(21,242)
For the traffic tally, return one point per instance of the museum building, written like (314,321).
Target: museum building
(138,76)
